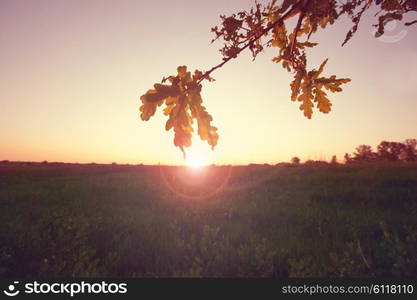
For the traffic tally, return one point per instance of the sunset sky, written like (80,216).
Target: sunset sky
(72,72)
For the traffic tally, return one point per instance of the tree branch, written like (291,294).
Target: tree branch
(295,9)
(295,32)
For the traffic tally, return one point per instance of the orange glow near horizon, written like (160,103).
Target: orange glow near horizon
(195,163)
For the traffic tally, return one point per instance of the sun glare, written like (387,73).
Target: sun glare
(198,155)
(195,161)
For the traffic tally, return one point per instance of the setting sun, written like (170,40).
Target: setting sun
(195,160)
(199,155)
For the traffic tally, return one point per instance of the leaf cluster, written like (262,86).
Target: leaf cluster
(308,88)
(183,105)
(260,27)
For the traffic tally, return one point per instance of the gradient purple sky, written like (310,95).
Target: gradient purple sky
(72,72)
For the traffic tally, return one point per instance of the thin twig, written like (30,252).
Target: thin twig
(295,32)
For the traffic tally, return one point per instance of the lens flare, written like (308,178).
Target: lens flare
(196,161)
(174,184)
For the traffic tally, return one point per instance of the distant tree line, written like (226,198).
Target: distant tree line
(385,152)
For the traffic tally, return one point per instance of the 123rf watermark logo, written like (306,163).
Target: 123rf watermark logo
(70,289)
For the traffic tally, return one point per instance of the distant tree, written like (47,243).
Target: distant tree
(390,151)
(364,153)
(295,160)
(410,150)
(333,160)
(265,25)
(347,158)
(412,143)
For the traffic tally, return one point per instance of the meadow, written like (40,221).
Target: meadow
(314,220)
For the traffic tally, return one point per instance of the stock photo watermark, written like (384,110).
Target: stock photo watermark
(392,34)
(70,289)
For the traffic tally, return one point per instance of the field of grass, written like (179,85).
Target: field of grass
(63,220)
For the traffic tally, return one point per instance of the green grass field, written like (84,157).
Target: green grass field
(63,220)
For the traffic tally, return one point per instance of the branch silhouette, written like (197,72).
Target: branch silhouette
(181,93)
(295,9)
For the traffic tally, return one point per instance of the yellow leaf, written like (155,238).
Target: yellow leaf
(168,109)
(323,103)
(306,97)
(295,85)
(148,110)
(307,107)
